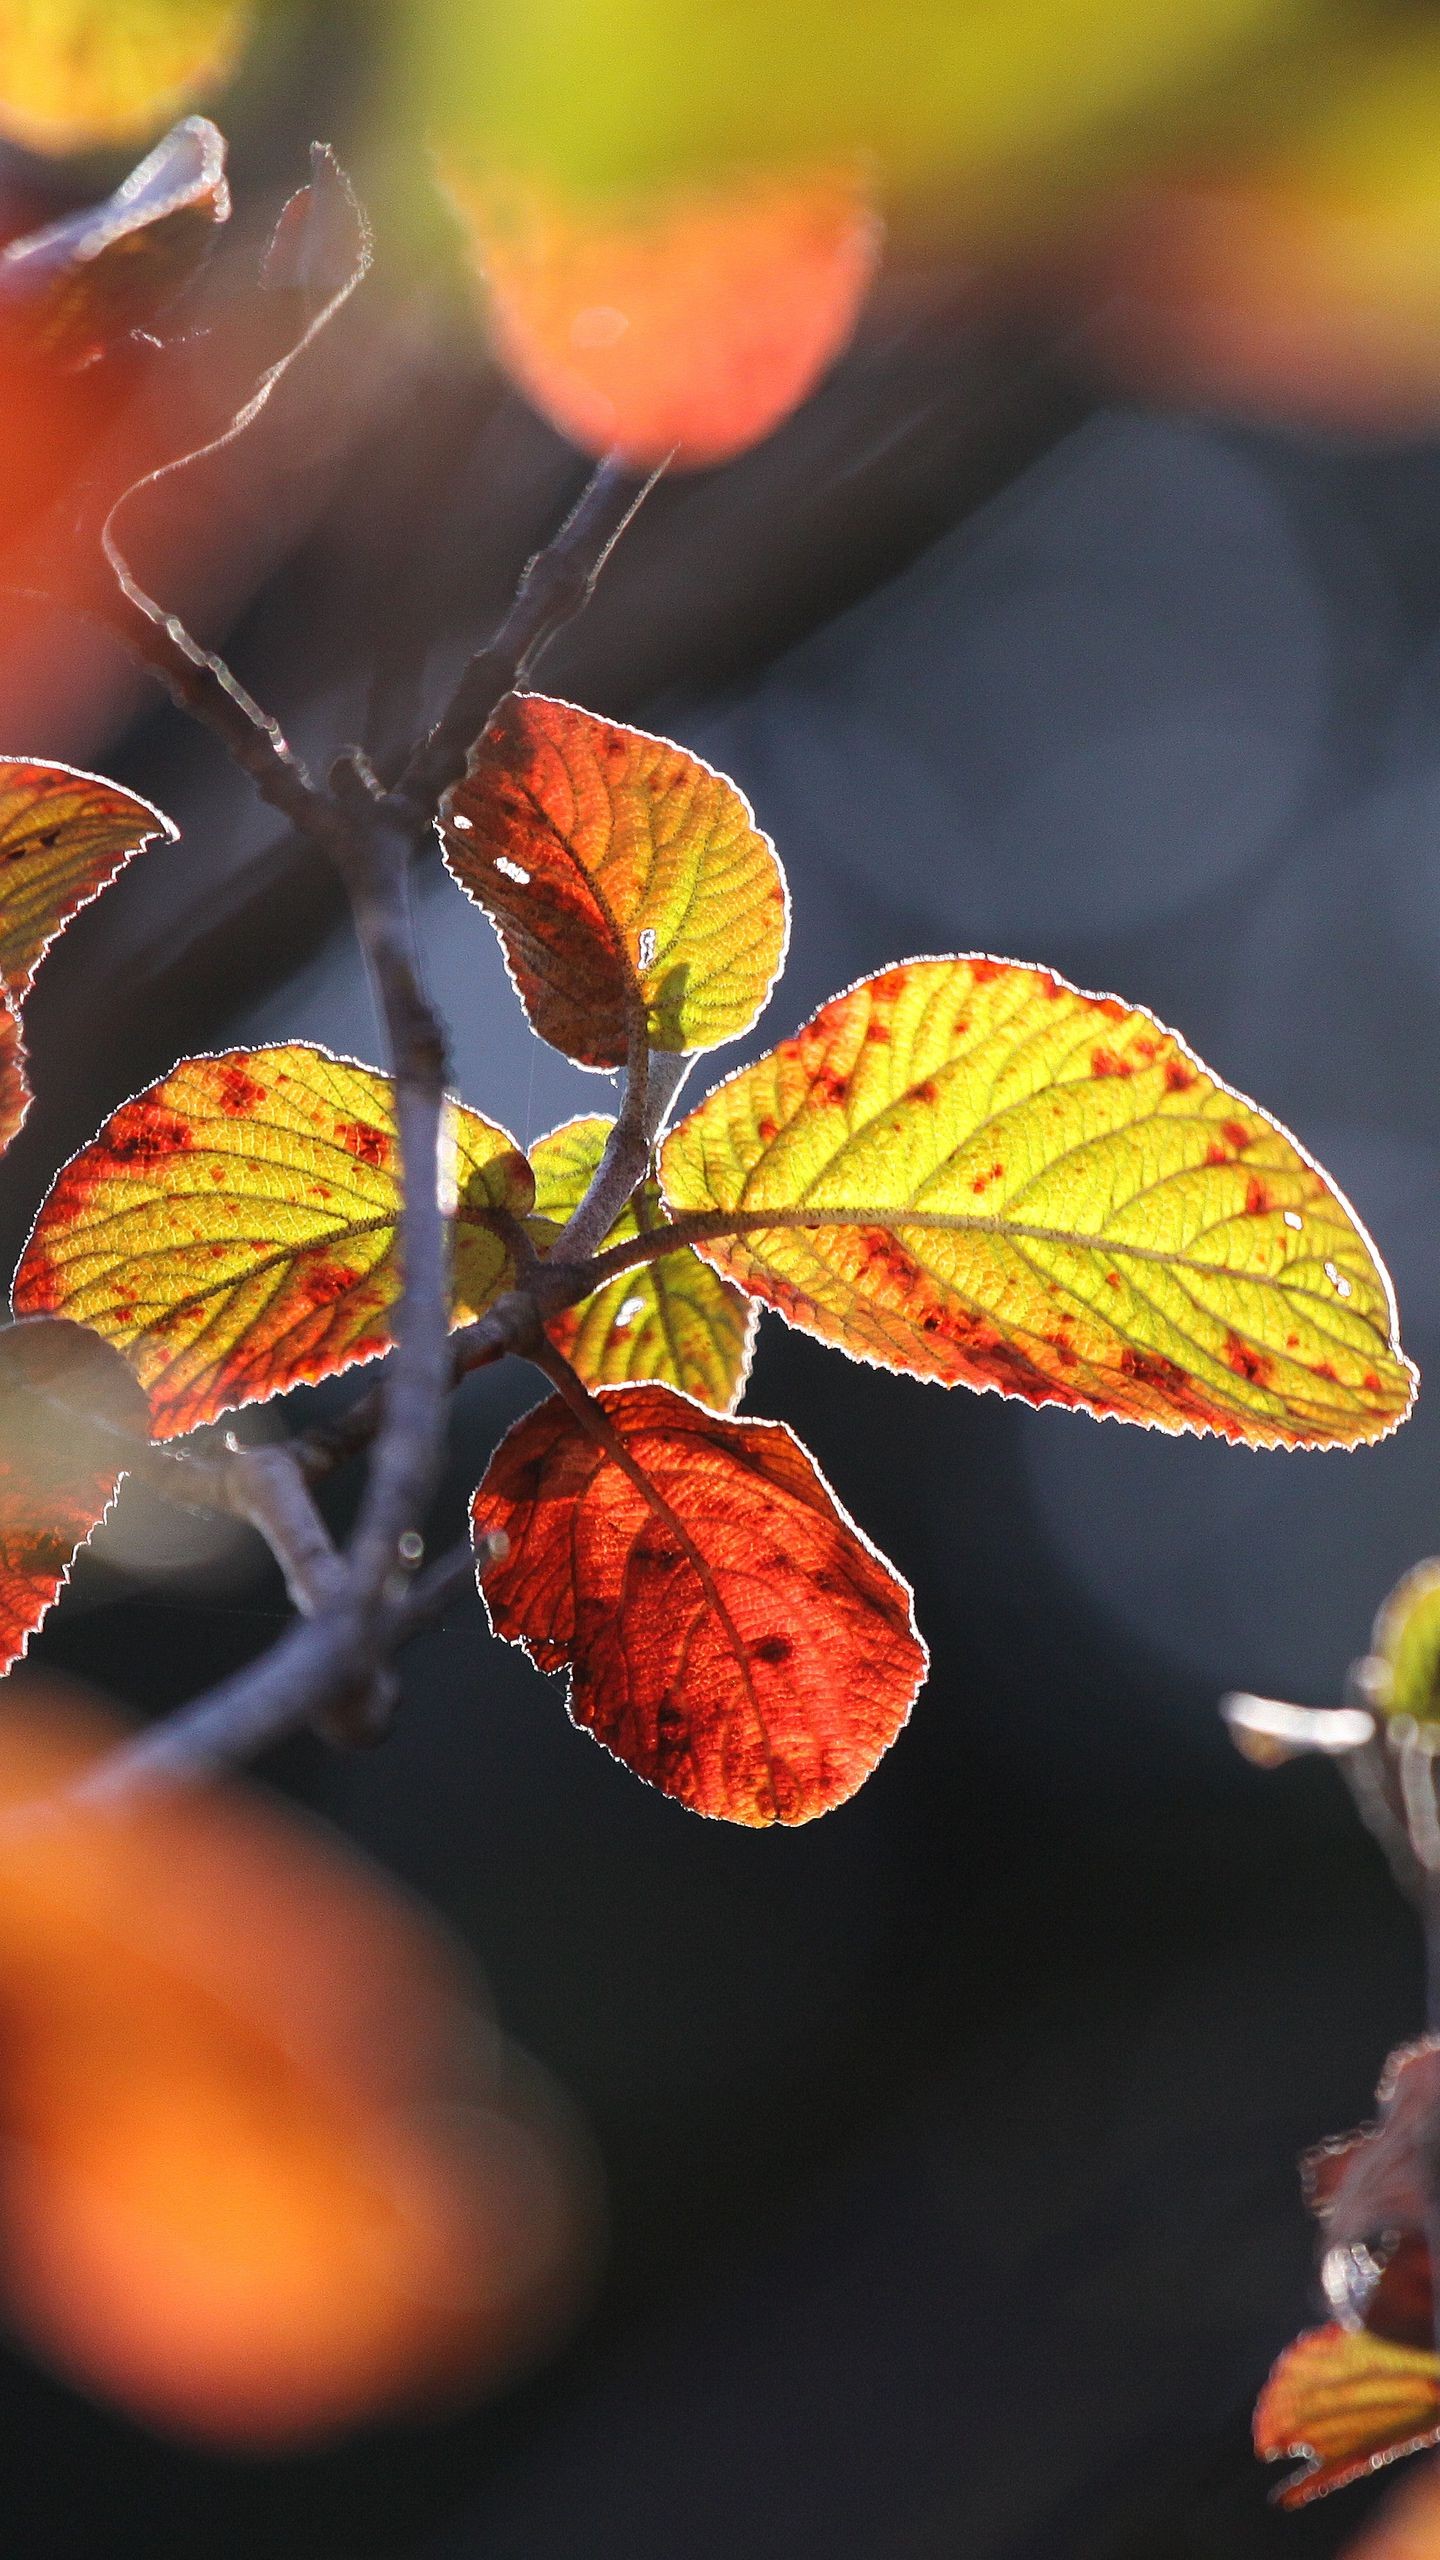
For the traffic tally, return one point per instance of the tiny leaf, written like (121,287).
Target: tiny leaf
(686,322)
(1345,2402)
(233,1229)
(63,837)
(627,881)
(676,1320)
(79,74)
(68,1403)
(84,282)
(1402,1672)
(730,1634)
(970,1170)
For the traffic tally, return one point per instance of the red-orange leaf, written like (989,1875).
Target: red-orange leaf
(63,836)
(730,1634)
(68,1405)
(690,322)
(83,283)
(1345,2403)
(233,1230)
(628,882)
(971,1170)
(14,1091)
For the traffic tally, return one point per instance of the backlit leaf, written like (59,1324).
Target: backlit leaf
(83,283)
(730,1634)
(686,324)
(1402,1674)
(676,1321)
(14,1091)
(1408,2526)
(232,1230)
(981,1175)
(625,878)
(68,1405)
(267,2169)
(63,836)
(1345,2403)
(77,74)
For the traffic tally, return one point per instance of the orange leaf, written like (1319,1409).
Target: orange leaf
(970,1170)
(78,74)
(84,282)
(68,1403)
(731,1635)
(63,836)
(690,322)
(627,881)
(1346,2403)
(675,1321)
(233,1229)
(1408,2526)
(265,2170)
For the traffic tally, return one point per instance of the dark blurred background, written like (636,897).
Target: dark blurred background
(949,2143)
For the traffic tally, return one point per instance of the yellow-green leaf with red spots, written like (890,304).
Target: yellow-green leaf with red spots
(1345,2402)
(63,836)
(631,888)
(674,1320)
(970,1170)
(233,1229)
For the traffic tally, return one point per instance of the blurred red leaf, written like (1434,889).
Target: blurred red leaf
(68,1404)
(689,323)
(730,1634)
(264,2169)
(73,290)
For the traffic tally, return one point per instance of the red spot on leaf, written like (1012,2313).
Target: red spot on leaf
(1258,1197)
(236,1092)
(1178,1077)
(324,1282)
(1239,1136)
(1104,1062)
(367,1144)
(1247,1362)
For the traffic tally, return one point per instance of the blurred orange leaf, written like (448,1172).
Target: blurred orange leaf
(1408,2526)
(83,283)
(68,1403)
(730,1634)
(264,2169)
(675,1320)
(79,74)
(63,837)
(232,1230)
(628,882)
(1345,2403)
(979,1174)
(685,322)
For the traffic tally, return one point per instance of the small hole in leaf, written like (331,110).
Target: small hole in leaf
(462,825)
(647,947)
(632,1308)
(512,870)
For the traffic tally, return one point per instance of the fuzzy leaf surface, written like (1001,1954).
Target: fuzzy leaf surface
(63,837)
(83,283)
(979,1174)
(68,1403)
(675,1321)
(1345,2402)
(233,1229)
(77,75)
(687,322)
(627,882)
(730,1634)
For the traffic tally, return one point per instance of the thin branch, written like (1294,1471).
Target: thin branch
(557,585)
(652,1080)
(268,1488)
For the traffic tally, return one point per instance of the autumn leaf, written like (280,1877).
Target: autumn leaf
(675,1320)
(628,882)
(730,1634)
(14,1090)
(1345,2403)
(1408,2526)
(63,836)
(82,284)
(233,1229)
(969,1170)
(68,1405)
(77,75)
(267,2168)
(685,323)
